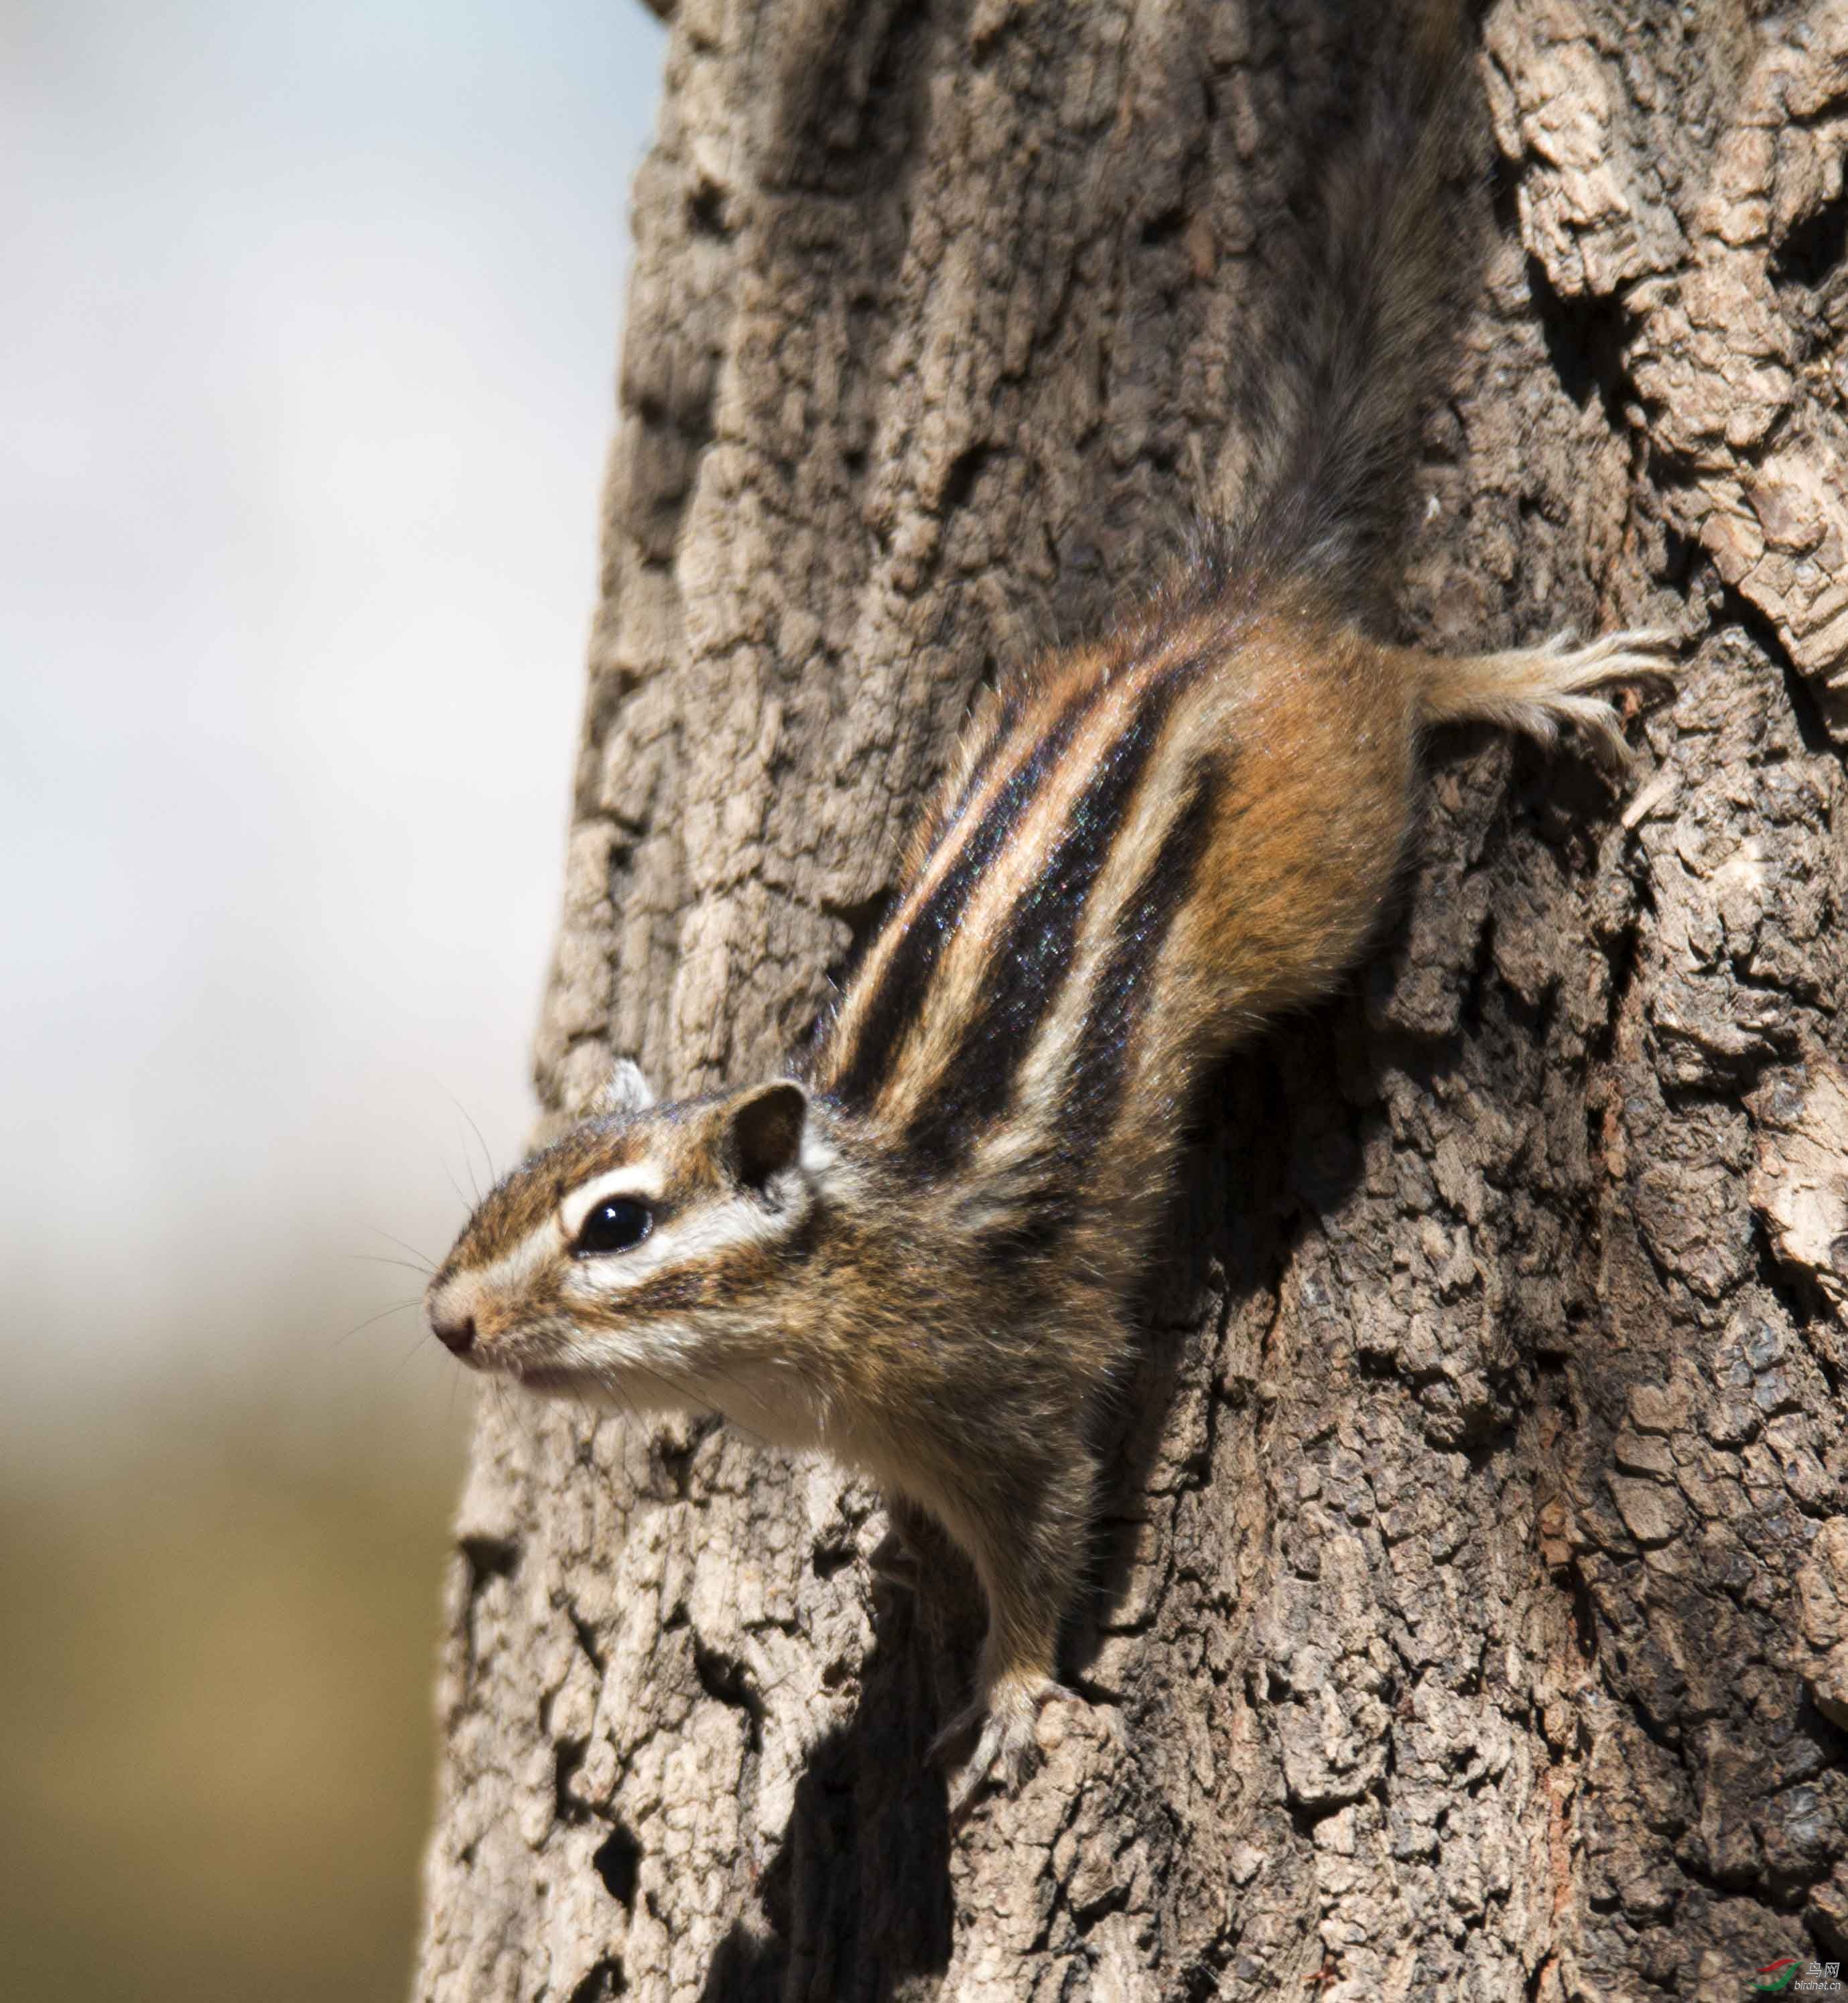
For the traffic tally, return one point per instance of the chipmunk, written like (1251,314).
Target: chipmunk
(918,1252)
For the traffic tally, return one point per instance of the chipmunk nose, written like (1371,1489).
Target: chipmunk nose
(456,1336)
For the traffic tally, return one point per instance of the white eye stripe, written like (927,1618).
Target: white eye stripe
(642,1181)
(690,1237)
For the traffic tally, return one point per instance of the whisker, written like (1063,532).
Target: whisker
(404,1245)
(358,1328)
(380,1259)
(487,1153)
(404,1362)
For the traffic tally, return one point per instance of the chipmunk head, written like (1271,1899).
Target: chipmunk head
(616,1261)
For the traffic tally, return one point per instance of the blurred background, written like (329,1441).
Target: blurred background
(305,380)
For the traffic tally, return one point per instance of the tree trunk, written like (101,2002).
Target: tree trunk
(1475,1618)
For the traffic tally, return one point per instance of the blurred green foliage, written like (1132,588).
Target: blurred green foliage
(216,1656)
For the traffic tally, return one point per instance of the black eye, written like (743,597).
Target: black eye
(615,1225)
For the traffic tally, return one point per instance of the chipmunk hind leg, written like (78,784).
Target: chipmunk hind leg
(1535,690)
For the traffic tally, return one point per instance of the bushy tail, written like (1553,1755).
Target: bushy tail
(1386,258)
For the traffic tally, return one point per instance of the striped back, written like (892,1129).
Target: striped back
(993,1025)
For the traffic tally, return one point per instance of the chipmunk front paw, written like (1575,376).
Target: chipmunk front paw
(1008,1749)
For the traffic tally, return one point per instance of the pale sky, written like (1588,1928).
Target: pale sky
(305,382)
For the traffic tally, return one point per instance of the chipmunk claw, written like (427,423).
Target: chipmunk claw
(894,1564)
(1007,1749)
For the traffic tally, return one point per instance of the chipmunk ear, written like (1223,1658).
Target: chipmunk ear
(764,1131)
(625,1091)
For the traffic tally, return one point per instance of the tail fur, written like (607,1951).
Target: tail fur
(1384,262)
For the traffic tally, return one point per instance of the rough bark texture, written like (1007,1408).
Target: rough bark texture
(1475,1620)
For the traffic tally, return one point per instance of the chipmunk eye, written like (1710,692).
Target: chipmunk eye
(615,1225)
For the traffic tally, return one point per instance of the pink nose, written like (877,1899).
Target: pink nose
(456,1336)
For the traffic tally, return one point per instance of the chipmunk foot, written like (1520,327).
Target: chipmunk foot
(1007,1718)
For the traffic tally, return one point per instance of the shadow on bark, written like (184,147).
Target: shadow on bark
(857,1900)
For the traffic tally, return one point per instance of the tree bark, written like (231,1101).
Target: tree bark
(1474,1617)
